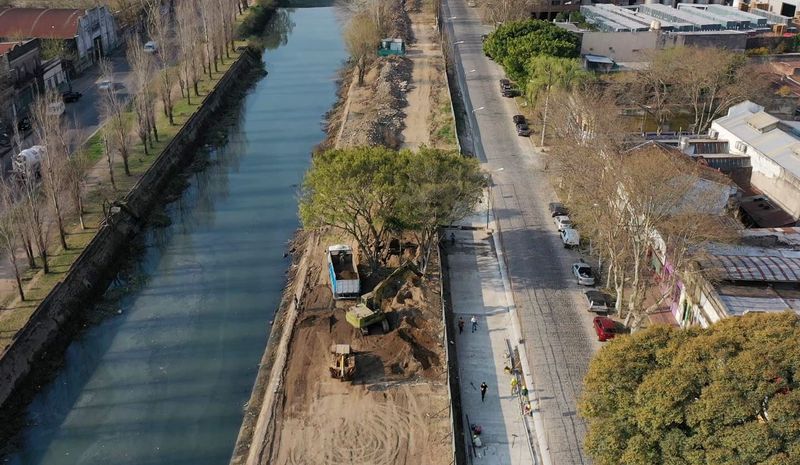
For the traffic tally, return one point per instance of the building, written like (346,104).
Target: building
(549,9)
(760,275)
(627,34)
(773,146)
(88,34)
(25,77)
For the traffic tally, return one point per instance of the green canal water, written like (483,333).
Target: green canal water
(165,380)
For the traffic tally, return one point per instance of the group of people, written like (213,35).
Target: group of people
(473,321)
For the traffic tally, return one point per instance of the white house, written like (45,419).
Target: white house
(773,146)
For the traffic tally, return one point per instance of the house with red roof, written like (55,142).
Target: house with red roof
(88,34)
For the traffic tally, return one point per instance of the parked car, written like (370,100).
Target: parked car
(5,140)
(484,37)
(105,84)
(562,222)
(557,209)
(599,302)
(570,237)
(583,273)
(523,130)
(71,96)
(150,47)
(505,84)
(511,92)
(24,125)
(519,119)
(472,4)
(605,328)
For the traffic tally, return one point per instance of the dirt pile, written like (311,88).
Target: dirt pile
(376,115)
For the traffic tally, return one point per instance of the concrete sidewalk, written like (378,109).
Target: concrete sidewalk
(476,288)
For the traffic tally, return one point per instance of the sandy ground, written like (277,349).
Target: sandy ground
(423,54)
(396,409)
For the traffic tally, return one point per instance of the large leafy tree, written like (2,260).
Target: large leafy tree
(369,191)
(439,188)
(355,190)
(547,73)
(513,44)
(726,395)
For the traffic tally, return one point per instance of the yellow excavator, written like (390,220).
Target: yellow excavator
(369,311)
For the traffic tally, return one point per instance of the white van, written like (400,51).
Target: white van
(570,237)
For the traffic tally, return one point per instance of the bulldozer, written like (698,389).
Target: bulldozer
(369,311)
(343,363)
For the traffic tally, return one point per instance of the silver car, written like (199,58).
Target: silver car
(583,273)
(562,222)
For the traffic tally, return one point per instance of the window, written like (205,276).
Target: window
(555,2)
(741,146)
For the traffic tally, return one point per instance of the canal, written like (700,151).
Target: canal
(163,380)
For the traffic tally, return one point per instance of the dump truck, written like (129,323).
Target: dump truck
(342,269)
(343,363)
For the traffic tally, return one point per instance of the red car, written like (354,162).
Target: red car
(605,327)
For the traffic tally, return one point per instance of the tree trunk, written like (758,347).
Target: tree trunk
(26,243)
(544,116)
(125,164)
(79,202)
(12,257)
(110,165)
(61,233)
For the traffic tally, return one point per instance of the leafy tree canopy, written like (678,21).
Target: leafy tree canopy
(726,395)
(514,43)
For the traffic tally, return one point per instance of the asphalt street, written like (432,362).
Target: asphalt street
(550,305)
(83,117)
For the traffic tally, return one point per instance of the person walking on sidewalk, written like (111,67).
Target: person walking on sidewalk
(474,322)
(514,384)
(484,388)
(460,324)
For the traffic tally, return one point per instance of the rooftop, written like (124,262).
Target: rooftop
(45,23)
(739,263)
(773,138)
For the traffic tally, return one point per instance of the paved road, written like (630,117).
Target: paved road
(83,116)
(556,328)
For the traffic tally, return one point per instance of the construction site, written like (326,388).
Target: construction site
(355,370)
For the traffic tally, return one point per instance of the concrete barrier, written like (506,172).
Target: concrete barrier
(51,326)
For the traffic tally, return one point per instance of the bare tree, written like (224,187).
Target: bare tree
(206,13)
(141,65)
(10,239)
(158,30)
(500,11)
(361,37)
(50,132)
(187,36)
(36,214)
(109,151)
(77,165)
(116,124)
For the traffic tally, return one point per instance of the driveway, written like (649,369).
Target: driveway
(554,324)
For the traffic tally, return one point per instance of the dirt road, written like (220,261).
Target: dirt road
(423,76)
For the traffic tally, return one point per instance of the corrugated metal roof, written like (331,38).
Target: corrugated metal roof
(737,305)
(776,269)
(777,144)
(43,23)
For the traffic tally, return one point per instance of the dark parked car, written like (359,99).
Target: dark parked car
(505,84)
(599,302)
(71,96)
(523,130)
(484,37)
(24,124)
(558,209)
(519,119)
(605,328)
(511,92)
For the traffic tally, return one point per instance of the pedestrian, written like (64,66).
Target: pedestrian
(474,322)
(452,238)
(524,392)
(460,324)
(514,384)
(484,388)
